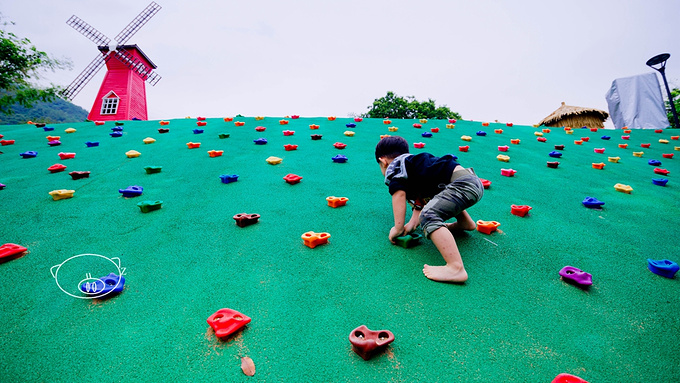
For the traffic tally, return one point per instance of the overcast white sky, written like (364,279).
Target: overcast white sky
(512,61)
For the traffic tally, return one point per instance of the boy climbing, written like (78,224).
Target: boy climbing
(438,189)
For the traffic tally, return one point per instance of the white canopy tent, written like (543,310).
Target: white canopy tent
(636,102)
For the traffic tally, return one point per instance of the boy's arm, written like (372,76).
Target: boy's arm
(413,222)
(399,210)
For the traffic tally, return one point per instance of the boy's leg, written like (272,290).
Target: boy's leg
(453,271)
(463,222)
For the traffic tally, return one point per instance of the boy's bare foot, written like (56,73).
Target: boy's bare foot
(445,273)
(456,227)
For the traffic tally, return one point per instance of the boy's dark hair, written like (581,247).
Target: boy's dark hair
(391,147)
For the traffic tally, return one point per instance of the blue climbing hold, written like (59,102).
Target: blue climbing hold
(131,191)
(341,159)
(555,154)
(229,178)
(663,267)
(426,134)
(351,125)
(117,128)
(29,154)
(481,133)
(92,144)
(605,137)
(108,285)
(654,162)
(116,134)
(260,141)
(592,203)
(48,129)
(660,181)
(198,131)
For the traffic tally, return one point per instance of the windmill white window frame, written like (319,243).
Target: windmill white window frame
(110,103)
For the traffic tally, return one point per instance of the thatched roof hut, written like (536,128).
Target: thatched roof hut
(575,117)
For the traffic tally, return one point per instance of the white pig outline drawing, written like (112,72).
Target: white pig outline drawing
(55,273)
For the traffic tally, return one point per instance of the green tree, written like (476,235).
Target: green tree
(675,94)
(394,106)
(21,62)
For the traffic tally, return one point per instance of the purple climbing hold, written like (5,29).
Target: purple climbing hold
(574,275)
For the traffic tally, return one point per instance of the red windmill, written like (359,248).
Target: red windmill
(122,95)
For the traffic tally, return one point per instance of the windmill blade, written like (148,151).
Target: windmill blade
(84,77)
(137,65)
(137,23)
(87,30)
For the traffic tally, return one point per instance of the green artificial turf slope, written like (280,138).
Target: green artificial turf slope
(514,320)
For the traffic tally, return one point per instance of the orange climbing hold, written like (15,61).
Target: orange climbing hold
(215,153)
(312,239)
(337,201)
(598,165)
(487,227)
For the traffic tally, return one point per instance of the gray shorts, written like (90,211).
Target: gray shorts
(464,191)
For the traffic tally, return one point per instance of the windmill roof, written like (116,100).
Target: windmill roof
(568,110)
(105,48)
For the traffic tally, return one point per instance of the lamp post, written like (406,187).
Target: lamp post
(660,60)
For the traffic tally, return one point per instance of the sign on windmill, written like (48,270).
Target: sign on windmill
(122,95)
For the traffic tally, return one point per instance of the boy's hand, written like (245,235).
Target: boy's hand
(409,228)
(394,233)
